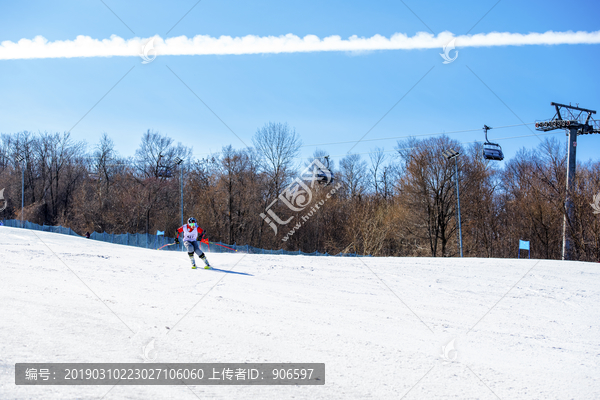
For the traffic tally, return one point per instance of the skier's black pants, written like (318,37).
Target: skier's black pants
(194,247)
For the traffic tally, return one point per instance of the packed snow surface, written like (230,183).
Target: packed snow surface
(423,328)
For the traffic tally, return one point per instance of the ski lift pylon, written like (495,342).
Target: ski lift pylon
(491,151)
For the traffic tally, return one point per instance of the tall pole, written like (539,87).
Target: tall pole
(179,163)
(22,191)
(181,191)
(458,201)
(567,251)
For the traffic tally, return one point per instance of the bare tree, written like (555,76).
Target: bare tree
(427,188)
(155,161)
(156,155)
(377,159)
(59,159)
(352,174)
(278,145)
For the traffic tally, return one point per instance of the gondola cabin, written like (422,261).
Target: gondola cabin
(164,172)
(325,177)
(491,151)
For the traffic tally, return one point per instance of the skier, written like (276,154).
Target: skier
(191,234)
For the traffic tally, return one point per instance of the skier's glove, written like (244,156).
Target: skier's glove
(176,240)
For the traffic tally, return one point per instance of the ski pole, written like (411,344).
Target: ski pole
(168,244)
(205,241)
(223,246)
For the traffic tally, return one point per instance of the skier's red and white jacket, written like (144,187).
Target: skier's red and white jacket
(189,234)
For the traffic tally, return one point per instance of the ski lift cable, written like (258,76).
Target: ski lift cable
(420,135)
(472,141)
(408,148)
(389,138)
(379,139)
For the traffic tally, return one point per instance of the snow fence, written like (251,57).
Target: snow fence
(149,241)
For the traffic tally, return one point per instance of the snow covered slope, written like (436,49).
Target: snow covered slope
(522,329)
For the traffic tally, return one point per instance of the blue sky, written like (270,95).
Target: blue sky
(328,97)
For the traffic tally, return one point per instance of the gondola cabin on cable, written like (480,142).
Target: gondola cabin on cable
(325,177)
(491,151)
(163,171)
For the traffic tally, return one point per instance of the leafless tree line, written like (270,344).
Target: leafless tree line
(397,204)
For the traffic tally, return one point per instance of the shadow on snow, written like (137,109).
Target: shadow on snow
(229,272)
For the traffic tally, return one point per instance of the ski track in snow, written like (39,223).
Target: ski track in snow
(541,341)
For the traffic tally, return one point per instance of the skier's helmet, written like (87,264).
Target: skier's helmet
(192,221)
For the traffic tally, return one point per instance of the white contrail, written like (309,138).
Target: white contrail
(85,46)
